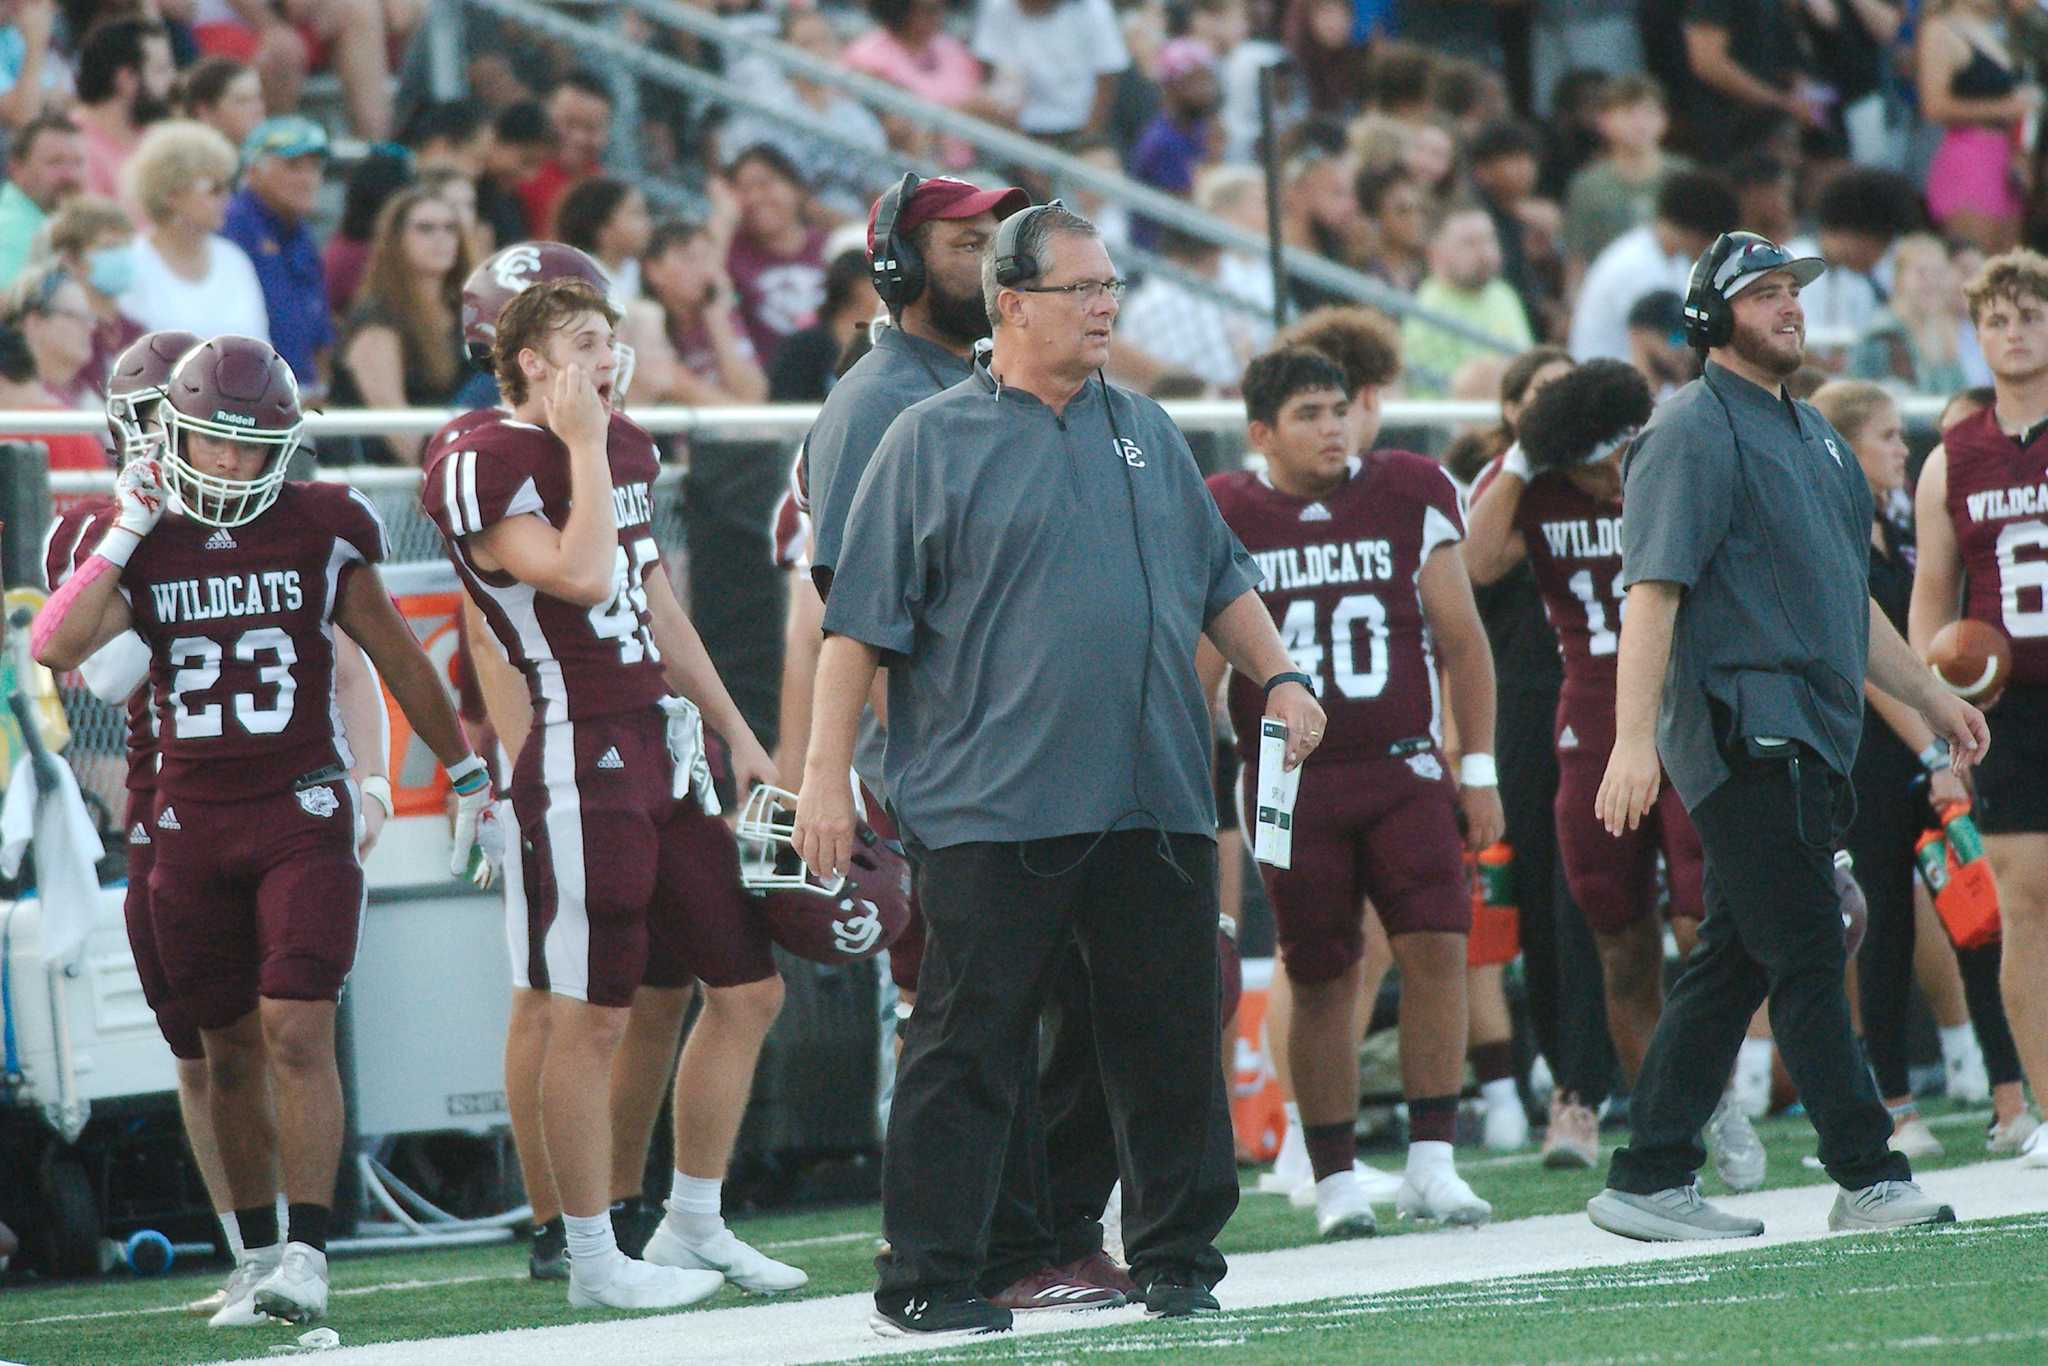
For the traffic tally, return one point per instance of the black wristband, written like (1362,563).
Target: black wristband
(1289,677)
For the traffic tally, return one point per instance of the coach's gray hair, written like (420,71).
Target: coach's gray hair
(1045,224)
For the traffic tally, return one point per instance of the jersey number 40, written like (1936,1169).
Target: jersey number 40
(1355,615)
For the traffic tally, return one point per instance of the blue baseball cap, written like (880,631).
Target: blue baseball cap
(287,135)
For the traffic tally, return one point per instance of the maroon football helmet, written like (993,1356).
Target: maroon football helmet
(827,920)
(506,272)
(235,389)
(137,385)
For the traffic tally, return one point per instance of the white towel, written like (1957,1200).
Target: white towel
(67,847)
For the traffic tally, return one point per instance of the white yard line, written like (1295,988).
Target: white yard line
(835,1329)
(382,1287)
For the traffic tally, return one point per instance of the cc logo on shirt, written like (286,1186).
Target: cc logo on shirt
(1133,454)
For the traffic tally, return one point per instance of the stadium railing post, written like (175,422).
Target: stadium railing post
(24,508)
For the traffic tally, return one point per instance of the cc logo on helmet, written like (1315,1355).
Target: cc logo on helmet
(856,936)
(514,267)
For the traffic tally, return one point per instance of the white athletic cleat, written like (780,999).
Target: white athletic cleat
(1291,1168)
(1343,1210)
(748,1268)
(1506,1126)
(207,1306)
(1751,1084)
(297,1291)
(1914,1139)
(1442,1197)
(238,1297)
(1968,1082)
(1380,1187)
(1739,1158)
(2034,1153)
(634,1284)
(1887,1205)
(2012,1135)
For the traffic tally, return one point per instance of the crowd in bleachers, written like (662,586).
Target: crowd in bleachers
(1541,172)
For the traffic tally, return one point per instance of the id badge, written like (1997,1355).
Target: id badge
(1273,805)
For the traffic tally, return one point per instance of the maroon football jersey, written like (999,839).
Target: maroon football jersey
(73,537)
(1338,574)
(1574,545)
(789,526)
(578,662)
(1998,501)
(240,625)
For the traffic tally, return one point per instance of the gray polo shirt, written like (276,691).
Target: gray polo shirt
(991,556)
(899,371)
(1773,633)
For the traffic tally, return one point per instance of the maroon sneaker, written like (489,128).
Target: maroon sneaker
(1051,1288)
(1099,1268)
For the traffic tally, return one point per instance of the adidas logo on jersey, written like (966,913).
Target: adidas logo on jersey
(610,759)
(1315,512)
(138,835)
(1568,740)
(220,540)
(167,819)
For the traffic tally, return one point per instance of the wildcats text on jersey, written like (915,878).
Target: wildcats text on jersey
(227,595)
(1333,562)
(1583,537)
(1996,505)
(632,505)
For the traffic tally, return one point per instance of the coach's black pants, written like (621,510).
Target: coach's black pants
(996,934)
(1773,929)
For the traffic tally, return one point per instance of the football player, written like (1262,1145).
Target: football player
(118,674)
(256,894)
(1362,575)
(546,513)
(1555,500)
(1981,513)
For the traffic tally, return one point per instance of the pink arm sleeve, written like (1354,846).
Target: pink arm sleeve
(60,602)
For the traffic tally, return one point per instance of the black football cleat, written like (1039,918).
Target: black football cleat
(547,1258)
(924,1314)
(1178,1294)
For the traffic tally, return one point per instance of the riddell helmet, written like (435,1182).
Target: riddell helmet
(508,271)
(237,389)
(136,387)
(836,920)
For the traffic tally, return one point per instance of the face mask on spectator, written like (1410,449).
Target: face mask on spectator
(111,270)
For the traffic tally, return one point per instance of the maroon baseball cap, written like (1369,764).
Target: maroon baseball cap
(944,197)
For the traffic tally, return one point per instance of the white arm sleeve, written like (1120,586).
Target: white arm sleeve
(117,668)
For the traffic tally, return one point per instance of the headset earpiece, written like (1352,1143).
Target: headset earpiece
(1709,321)
(1013,266)
(896,267)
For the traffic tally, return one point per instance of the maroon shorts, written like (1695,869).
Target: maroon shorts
(906,954)
(621,885)
(1384,830)
(1614,879)
(262,897)
(171,1018)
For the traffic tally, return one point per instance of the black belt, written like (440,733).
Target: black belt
(319,777)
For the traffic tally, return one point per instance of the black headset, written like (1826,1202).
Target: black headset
(1709,317)
(895,265)
(1014,266)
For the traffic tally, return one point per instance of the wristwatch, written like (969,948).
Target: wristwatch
(1291,676)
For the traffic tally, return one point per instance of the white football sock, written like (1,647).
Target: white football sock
(1293,1113)
(1754,1056)
(1426,1156)
(231,1228)
(593,1249)
(693,1203)
(1957,1040)
(1500,1093)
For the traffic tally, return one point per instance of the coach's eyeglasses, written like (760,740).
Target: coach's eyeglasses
(1084,291)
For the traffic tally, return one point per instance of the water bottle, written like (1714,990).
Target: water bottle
(1967,901)
(1496,921)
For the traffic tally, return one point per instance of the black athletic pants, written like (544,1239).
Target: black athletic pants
(997,932)
(1773,930)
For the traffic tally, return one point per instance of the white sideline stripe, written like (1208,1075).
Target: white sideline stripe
(835,1328)
(428,1283)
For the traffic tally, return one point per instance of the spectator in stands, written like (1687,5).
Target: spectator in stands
(1656,342)
(776,262)
(1464,282)
(690,344)
(1915,341)
(1505,157)
(458,192)
(1466,95)
(1184,134)
(1618,191)
(22,390)
(50,310)
(92,239)
(1764,191)
(1237,195)
(1318,213)
(1693,208)
(187,275)
(124,85)
(1179,328)
(1851,42)
(808,364)
(223,94)
(579,112)
(1240,60)
(1333,56)
(33,78)
(910,48)
(371,183)
(270,219)
(1573,133)
(514,153)
(451,134)
(1062,55)
(402,344)
(1112,220)
(1579,35)
(1971,88)
(45,167)
(1398,213)
(1743,57)
(608,218)
(1862,211)
(842,182)
(279,38)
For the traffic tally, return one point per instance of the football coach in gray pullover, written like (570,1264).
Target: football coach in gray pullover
(1033,554)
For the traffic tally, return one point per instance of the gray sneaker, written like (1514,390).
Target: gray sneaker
(1675,1215)
(1738,1152)
(1887,1205)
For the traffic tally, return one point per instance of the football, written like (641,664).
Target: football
(1973,659)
